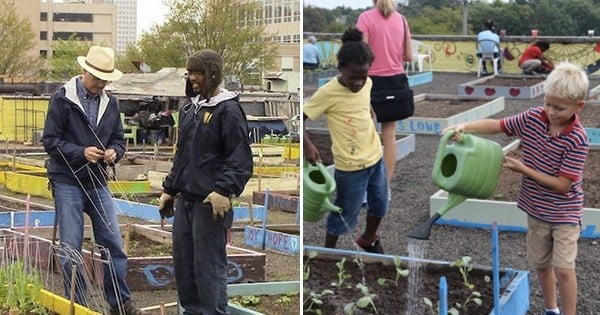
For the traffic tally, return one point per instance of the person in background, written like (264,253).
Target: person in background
(212,165)
(555,147)
(311,59)
(83,135)
(382,26)
(489,33)
(356,148)
(533,59)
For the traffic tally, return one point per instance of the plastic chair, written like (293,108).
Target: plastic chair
(420,52)
(129,131)
(486,48)
(175,128)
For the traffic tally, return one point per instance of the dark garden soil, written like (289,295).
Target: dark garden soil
(444,108)
(391,298)
(507,188)
(512,82)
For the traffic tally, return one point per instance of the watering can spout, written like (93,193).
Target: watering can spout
(423,231)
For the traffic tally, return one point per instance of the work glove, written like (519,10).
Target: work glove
(220,204)
(165,205)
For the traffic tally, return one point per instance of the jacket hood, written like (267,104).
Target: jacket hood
(223,95)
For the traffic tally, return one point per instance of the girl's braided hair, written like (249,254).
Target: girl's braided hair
(354,50)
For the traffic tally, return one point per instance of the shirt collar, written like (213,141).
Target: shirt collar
(570,127)
(81,90)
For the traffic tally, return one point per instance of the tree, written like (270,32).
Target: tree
(16,38)
(63,63)
(234,29)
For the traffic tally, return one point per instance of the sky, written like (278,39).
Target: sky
(150,12)
(330,4)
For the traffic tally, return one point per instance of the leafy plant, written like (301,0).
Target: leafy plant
(247,300)
(464,265)
(436,310)
(399,272)
(475,297)
(311,255)
(19,289)
(286,298)
(316,299)
(342,274)
(363,302)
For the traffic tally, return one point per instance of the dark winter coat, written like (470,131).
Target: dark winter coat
(67,133)
(213,152)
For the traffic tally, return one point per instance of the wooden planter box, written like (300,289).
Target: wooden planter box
(514,284)
(286,200)
(146,273)
(283,238)
(479,213)
(426,125)
(481,87)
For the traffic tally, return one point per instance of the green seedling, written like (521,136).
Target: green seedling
(247,300)
(436,309)
(399,272)
(342,274)
(363,302)
(475,297)
(316,300)
(311,255)
(465,265)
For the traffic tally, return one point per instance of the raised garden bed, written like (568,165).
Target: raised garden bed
(434,112)
(324,271)
(150,272)
(285,200)
(477,213)
(507,86)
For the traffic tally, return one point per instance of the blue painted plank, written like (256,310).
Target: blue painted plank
(593,134)
(274,240)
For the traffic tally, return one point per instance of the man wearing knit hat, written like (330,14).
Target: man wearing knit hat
(213,163)
(83,135)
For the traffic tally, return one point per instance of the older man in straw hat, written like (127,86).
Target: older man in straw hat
(83,135)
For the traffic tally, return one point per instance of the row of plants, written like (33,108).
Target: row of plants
(20,289)
(367,300)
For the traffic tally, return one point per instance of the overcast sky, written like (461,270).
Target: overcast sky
(330,4)
(150,12)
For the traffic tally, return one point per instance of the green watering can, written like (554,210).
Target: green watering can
(318,186)
(468,168)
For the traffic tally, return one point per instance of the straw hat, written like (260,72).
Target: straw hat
(100,62)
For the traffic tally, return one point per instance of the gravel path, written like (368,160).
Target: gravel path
(412,186)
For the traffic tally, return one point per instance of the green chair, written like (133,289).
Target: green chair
(129,131)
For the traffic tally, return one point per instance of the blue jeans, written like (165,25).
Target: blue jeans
(200,258)
(70,203)
(351,187)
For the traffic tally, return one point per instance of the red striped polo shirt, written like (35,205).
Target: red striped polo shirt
(563,154)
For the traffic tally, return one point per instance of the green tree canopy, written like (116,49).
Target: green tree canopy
(232,28)
(16,38)
(63,63)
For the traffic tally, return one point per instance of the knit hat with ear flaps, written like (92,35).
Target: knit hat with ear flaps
(210,63)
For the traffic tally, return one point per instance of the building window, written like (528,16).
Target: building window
(44,54)
(73,17)
(44,35)
(79,36)
(43,16)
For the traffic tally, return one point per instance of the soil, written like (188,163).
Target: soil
(409,208)
(512,82)
(390,298)
(507,188)
(444,108)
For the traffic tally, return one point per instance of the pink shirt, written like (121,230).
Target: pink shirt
(386,39)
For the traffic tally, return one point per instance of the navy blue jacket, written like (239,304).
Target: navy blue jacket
(213,150)
(67,133)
